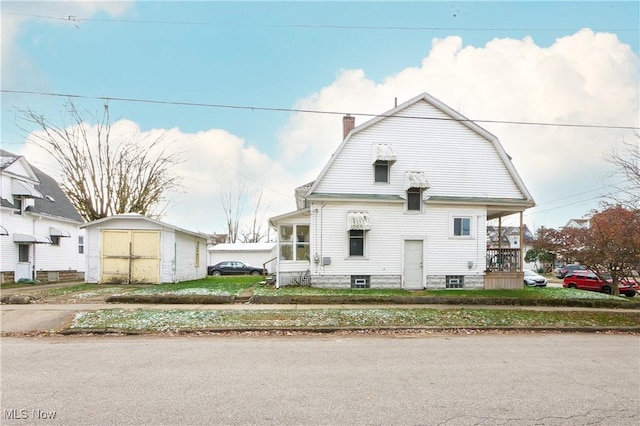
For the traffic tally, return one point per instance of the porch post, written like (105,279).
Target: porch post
(521,242)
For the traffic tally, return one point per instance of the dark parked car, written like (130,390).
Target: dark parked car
(562,271)
(588,280)
(233,268)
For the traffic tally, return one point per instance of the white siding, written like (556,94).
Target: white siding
(186,268)
(390,226)
(457,161)
(47,257)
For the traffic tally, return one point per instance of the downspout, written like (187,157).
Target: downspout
(174,265)
(33,267)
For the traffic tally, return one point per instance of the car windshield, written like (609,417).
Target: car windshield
(529,272)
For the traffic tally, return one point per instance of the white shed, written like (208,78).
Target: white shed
(131,248)
(254,254)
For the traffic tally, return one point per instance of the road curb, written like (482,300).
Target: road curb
(330,330)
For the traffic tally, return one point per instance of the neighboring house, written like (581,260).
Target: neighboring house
(510,238)
(577,223)
(404,203)
(38,225)
(254,254)
(131,248)
(214,239)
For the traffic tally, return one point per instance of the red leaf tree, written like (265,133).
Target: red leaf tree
(610,246)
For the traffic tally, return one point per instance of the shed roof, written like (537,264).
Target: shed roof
(138,216)
(243,247)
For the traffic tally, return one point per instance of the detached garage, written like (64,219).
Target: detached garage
(131,248)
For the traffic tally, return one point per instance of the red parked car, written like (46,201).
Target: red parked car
(588,280)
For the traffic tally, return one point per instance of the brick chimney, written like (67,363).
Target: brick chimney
(348,123)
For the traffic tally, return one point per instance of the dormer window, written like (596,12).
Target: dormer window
(414,199)
(383,157)
(381,171)
(415,183)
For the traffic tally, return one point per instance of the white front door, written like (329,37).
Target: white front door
(413,265)
(23,267)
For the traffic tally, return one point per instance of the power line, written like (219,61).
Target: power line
(75,19)
(311,111)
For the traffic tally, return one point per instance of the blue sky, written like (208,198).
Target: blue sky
(321,55)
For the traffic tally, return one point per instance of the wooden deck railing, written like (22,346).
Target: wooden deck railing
(503,260)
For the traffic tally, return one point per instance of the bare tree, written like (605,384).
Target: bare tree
(233,205)
(256,231)
(627,164)
(101,174)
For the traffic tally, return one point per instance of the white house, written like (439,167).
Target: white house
(578,223)
(404,203)
(254,254)
(131,248)
(38,225)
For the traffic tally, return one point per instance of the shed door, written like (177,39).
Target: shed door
(130,256)
(413,265)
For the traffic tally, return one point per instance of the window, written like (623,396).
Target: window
(286,242)
(381,171)
(356,242)
(454,281)
(461,226)
(302,247)
(23,253)
(302,242)
(360,281)
(55,240)
(81,244)
(414,199)
(17,203)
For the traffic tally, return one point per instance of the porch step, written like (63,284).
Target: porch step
(243,297)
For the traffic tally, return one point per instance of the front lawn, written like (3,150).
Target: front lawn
(151,320)
(234,285)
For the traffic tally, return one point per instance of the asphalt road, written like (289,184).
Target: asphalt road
(445,379)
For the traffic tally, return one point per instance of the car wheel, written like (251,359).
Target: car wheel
(572,286)
(606,289)
(255,272)
(216,273)
(630,294)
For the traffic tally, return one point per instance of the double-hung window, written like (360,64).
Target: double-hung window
(356,242)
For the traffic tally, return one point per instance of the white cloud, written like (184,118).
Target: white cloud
(213,161)
(585,78)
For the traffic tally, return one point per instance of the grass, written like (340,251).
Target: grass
(150,320)
(234,285)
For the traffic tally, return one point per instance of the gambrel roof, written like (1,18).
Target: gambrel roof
(455,160)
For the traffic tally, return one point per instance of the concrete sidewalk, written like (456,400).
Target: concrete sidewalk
(53,318)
